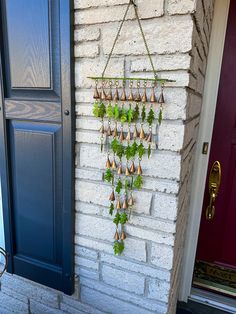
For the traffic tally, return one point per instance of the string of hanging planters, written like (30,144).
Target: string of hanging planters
(125,115)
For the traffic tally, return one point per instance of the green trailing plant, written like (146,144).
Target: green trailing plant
(150,117)
(119,186)
(143,114)
(111,209)
(149,151)
(138,182)
(160,117)
(118,247)
(141,151)
(123,218)
(109,176)
(130,115)
(116,220)
(123,116)
(116,112)
(136,113)
(109,111)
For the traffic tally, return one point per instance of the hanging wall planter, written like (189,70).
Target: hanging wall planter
(125,107)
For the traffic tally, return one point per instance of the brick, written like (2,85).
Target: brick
(89,192)
(38,308)
(151,235)
(157,307)
(165,206)
(94,67)
(134,248)
(152,223)
(16,306)
(78,4)
(171,136)
(81,261)
(88,33)
(158,290)
(86,50)
(134,267)
(69,304)
(32,290)
(130,42)
(181,6)
(162,256)
(123,279)
(88,273)
(161,63)
(109,304)
(85,252)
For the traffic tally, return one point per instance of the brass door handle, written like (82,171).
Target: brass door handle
(213,186)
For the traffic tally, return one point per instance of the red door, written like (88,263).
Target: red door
(216,254)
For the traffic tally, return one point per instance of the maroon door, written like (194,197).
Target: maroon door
(217,238)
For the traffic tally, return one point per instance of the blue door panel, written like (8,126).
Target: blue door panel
(35,161)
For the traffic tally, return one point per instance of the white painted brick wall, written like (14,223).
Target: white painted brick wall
(145,279)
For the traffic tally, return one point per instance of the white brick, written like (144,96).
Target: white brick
(162,256)
(130,42)
(88,33)
(78,4)
(134,267)
(88,273)
(88,137)
(81,261)
(89,192)
(162,63)
(134,249)
(7,302)
(77,305)
(109,304)
(171,136)
(94,67)
(85,252)
(151,235)
(89,50)
(152,223)
(165,206)
(38,308)
(181,6)
(123,279)
(159,290)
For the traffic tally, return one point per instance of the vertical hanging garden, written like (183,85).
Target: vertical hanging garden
(125,107)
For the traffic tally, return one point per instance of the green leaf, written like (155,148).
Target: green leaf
(160,116)
(141,151)
(138,182)
(130,115)
(118,247)
(116,112)
(149,150)
(123,218)
(116,220)
(114,145)
(136,113)
(134,148)
(120,151)
(109,176)
(96,109)
(151,117)
(109,111)
(119,186)
(102,110)
(128,152)
(111,209)
(123,116)
(127,186)
(143,114)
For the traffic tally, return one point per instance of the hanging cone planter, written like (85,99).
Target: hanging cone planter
(111,105)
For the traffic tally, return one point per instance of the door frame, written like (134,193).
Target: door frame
(66,18)
(210,94)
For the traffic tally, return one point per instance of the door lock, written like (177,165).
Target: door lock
(214,185)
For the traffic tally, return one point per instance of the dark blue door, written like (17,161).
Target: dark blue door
(36,139)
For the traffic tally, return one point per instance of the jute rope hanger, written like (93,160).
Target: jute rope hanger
(102,77)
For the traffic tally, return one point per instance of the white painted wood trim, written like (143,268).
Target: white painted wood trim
(205,134)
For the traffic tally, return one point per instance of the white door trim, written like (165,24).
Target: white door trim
(205,134)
